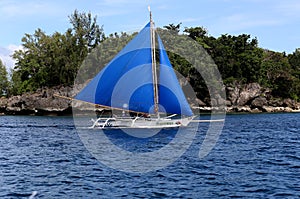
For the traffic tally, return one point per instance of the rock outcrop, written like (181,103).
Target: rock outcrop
(41,102)
(254,98)
(240,98)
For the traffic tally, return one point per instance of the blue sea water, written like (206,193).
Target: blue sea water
(256,156)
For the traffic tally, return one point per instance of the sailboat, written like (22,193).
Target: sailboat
(133,84)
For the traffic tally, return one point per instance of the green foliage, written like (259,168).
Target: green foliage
(239,59)
(174,28)
(278,75)
(4,83)
(294,60)
(199,34)
(47,61)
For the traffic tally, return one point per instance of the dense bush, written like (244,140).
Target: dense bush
(49,60)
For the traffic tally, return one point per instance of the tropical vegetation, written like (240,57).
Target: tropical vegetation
(4,83)
(51,60)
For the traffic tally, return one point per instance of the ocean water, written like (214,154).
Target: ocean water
(256,156)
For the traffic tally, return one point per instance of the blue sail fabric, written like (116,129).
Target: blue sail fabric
(126,81)
(171,96)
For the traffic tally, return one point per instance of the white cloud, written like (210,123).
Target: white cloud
(121,7)
(289,8)
(115,3)
(6,55)
(113,12)
(13,8)
(254,20)
(240,22)
(187,20)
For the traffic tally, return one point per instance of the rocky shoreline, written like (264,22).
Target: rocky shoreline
(249,98)
(254,99)
(41,102)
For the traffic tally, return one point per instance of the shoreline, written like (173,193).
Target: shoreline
(202,110)
(250,98)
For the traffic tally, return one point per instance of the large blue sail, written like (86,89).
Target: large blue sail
(126,81)
(171,96)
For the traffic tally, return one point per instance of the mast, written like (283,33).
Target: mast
(154,70)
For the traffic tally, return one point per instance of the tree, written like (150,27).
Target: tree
(294,59)
(237,57)
(3,80)
(50,60)
(199,34)
(276,71)
(172,27)
(87,32)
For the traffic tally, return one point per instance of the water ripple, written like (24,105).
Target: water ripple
(257,156)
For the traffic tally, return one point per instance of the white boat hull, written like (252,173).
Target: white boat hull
(140,123)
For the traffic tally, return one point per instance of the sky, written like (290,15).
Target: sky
(275,23)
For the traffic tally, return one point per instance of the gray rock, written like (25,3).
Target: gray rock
(289,103)
(240,98)
(40,102)
(259,102)
(233,94)
(248,93)
(275,102)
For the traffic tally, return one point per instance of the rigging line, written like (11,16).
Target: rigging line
(98,105)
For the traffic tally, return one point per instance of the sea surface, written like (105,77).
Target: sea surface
(256,156)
